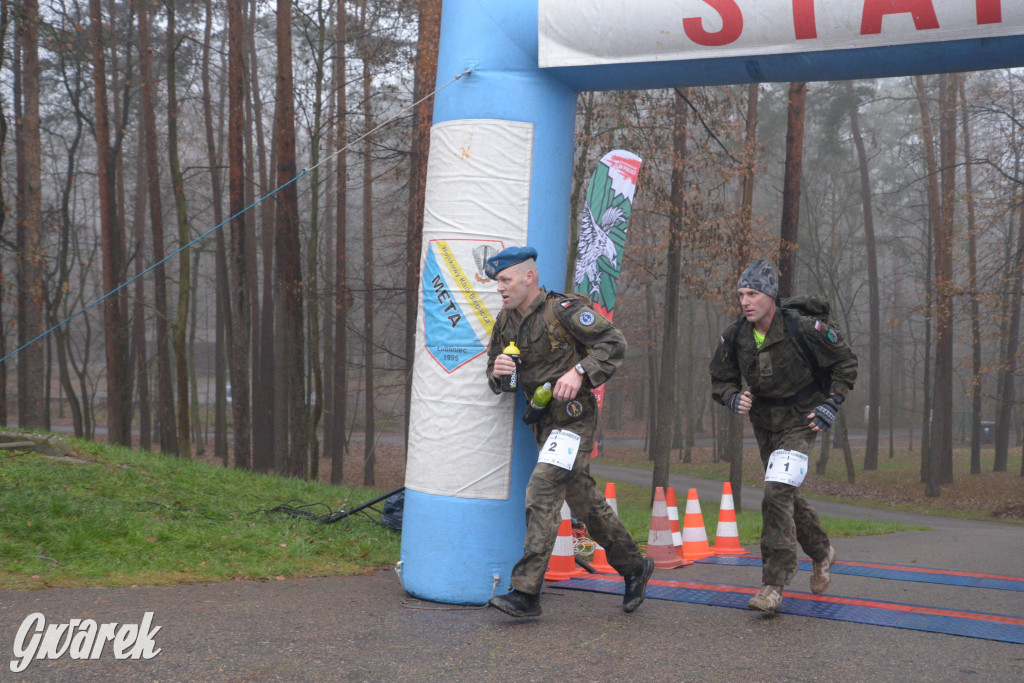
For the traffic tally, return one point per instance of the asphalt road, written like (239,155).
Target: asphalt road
(366,628)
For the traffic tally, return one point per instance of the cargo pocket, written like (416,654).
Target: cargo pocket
(567,412)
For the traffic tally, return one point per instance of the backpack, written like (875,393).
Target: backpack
(810,306)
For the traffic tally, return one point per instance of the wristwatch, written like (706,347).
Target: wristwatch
(579,369)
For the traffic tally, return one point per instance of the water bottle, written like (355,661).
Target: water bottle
(538,404)
(511,382)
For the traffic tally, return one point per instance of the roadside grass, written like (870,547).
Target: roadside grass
(112,516)
(988,496)
(117,517)
(635,513)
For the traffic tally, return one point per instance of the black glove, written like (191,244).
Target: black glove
(734,402)
(825,414)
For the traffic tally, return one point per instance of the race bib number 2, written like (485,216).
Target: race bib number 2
(786,467)
(560,449)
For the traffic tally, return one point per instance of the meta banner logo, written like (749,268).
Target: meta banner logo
(457,300)
(582,32)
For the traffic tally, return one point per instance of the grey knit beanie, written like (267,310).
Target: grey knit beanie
(760,276)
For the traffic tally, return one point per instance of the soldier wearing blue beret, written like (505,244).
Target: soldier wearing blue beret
(562,340)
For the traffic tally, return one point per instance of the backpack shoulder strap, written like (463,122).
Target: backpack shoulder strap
(793,325)
(732,335)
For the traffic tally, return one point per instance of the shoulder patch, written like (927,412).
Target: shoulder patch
(721,340)
(566,304)
(829,333)
(586,318)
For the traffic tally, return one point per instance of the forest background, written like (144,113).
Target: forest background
(210,237)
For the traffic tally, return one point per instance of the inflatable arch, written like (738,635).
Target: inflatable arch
(499,174)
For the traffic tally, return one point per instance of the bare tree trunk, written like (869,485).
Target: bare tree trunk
(652,377)
(316,375)
(944,284)
(266,433)
(929,455)
(139,316)
(180,329)
(368,303)
(1008,365)
(116,329)
(975,305)
(238,331)
(165,391)
(874,297)
(426,74)
(4,22)
(31,301)
(790,230)
(334,429)
(844,438)
(222,304)
(661,449)
(289,342)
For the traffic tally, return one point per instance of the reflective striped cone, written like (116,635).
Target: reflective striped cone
(600,560)
(609,495)
(562,564)
(673,520)
(727,536)
(659,540)
(695,537)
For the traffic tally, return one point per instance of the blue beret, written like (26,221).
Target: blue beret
(508,257)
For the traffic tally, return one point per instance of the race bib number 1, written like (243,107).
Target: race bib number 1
(786,467)
(560,449)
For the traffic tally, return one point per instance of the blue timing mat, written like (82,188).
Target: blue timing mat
(893,572)
(875,612)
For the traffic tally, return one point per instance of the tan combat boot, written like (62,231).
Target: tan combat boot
(768,599)
(820,572)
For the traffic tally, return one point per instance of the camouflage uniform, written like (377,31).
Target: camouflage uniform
(556,333)
(784,393)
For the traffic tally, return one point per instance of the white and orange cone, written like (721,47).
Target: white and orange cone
(695,536)
(609,495)
(727,536)
(659,540)
(673,520)
(562,564)
(600,560)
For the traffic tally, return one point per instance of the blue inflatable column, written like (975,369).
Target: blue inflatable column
(456,548)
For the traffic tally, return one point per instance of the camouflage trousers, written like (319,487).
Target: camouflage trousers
(787,519)
(549,485)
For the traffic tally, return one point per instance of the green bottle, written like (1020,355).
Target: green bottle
(541,396)
(538,404)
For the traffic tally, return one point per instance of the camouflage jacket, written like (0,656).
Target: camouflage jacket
(779,378)
(556,333)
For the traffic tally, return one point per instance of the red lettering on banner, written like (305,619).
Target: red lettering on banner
(990,11)
(874,10)
(803,19)
(732,25)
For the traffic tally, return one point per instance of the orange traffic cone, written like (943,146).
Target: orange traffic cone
(727,536)
(695,537)
(659,540)
(600,560)
(562,564)
(609,495)
(673,520)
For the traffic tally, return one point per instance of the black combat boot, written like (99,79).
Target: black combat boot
(636,585)
(517,604)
